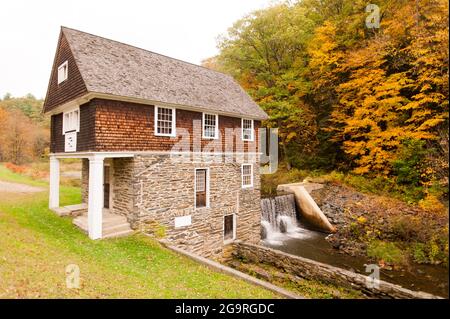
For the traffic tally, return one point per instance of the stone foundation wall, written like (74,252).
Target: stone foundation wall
(163,189)
(152,190)
(84,180)
(123,198)
(310,269)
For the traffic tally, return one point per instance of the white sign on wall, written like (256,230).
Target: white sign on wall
(183,221)
(70,142)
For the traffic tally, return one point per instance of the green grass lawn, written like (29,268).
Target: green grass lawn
(9,176)
(36,246)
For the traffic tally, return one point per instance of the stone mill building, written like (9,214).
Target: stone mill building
(167,147)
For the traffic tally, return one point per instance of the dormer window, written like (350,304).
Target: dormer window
(63,72)
(210,126)
(247,130)
(165,121)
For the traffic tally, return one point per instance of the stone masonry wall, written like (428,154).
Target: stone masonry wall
(163,189)
(84,180)
(122,187)
(310,269)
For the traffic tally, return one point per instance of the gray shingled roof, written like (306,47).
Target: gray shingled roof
(115,68)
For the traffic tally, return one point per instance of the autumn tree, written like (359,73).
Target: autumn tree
(24,133)
(345,96)
(265,52)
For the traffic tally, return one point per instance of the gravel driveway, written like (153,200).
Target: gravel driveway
(7,187)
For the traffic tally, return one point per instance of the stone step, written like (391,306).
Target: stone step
(112,225)
(119,234)
(106,221)
(84,225)
(116,229)
(78,209)
(61,211)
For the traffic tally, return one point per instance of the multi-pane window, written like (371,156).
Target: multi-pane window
(63,72)
(247,130)
(201,188)
(71,121)
(210,125)
(164,121)
(247,175)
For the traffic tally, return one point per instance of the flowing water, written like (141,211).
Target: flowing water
(283,229)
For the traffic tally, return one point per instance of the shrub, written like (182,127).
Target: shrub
(407,167)
(432,203)
(406,228)
(18,169)
(419,253)
(270,182)
(387,252)
(432,252)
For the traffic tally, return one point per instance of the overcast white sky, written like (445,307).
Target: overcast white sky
(186,30)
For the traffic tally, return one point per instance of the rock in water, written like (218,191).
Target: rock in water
(283,226)
(263,232)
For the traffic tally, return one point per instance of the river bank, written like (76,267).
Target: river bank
(386,230)
(407,243)
(313,245)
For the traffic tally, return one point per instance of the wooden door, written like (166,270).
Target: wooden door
(228,227)
(106,186)
(200,188)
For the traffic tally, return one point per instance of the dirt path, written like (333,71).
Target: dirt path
(7,187)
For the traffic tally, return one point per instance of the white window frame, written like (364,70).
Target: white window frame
(216,128)
(252,135)
(251,175)
(174,120)
(207,187)
(62,76)
(76,125)
(228,241)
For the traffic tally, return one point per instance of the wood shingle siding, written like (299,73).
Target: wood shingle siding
(56,136)
(85,137)
(71,88)
(114,126)
(123,126)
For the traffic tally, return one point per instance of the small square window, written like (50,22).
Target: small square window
(63,72)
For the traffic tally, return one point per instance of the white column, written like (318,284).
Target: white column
(95,201)
(53,201)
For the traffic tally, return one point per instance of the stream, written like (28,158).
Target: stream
(284,231)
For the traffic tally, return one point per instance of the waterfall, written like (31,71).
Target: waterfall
(278,217)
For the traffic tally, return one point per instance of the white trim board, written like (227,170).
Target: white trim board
(132,154)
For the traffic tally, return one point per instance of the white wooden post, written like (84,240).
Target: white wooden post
(95,201)
(53,201)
